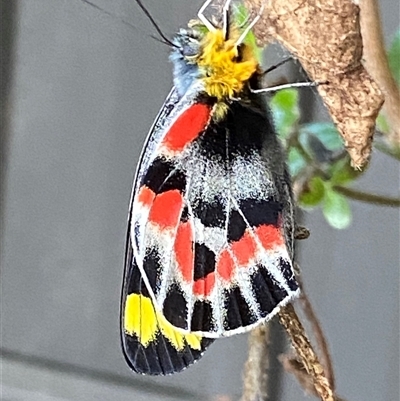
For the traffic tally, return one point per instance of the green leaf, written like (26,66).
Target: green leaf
(336,209)
(285,110)
(317,149)
(342,172)
(296,161)
(314,194)
(382,124)
(240,16)
(394,57)
(325,132)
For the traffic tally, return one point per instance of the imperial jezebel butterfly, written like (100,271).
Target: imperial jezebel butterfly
(209,249)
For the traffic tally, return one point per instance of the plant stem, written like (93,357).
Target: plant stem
(322,344)
(387,149)
(255,377)
(305,352)
(367,197)
(377,65)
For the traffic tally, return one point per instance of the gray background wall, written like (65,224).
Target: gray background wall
(86,89)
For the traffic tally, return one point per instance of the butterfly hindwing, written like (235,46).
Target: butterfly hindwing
(211,222)
(150,343)
(240,215)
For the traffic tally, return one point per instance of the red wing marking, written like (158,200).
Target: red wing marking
(225,265)
(146,196)
(204,286)
(244,249)
(166,209)
(184,250)
(270,236)
(187,127)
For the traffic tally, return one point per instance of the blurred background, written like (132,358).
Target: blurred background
(79,91)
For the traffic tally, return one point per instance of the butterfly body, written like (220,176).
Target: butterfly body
(210,237)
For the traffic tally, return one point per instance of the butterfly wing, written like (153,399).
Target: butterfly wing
(150,343)
(213,220)
(240,216)
(243,217)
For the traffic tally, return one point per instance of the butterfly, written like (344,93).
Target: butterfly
(209,248)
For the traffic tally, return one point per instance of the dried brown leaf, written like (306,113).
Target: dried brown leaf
(325,37)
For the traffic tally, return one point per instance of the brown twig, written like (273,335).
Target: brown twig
(325,355)
(377,65)
(305,352)
(255,376)
(296,368)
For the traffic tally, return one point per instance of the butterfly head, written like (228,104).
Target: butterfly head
(223,65)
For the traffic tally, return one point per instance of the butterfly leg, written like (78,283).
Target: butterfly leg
(252,23)
(203,18)
(287,86)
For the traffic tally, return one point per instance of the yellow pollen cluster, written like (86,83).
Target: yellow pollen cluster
(224,75)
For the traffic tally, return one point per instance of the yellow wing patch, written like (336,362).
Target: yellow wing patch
(142,320)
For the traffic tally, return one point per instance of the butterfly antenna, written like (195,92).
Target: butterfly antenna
(154,23)
(110,14)
(164,40)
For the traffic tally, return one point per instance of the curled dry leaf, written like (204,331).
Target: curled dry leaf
(325,37)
